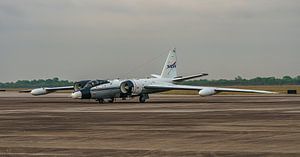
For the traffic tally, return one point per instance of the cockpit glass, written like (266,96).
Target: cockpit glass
(94,83)
(80,85)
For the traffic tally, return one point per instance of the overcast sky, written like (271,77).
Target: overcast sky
(100,39)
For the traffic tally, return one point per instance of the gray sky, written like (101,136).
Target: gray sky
(88,39)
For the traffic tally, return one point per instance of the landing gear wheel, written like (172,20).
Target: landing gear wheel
(101,101)
(143,98)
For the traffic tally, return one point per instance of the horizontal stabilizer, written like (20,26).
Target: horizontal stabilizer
(155,76)
(179,79)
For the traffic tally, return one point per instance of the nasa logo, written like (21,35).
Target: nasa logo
(171,66)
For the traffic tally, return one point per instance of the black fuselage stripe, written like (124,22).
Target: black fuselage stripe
(97,90)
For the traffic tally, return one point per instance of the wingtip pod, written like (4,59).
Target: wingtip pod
(39,91)
(207,91)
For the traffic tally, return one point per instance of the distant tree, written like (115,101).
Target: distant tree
(297,80)
(55,79)
(286,80)
(36,83)
(238,78)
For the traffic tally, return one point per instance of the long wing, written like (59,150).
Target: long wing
(46,90)
(216,89)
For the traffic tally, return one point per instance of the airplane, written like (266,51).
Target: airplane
(102,90)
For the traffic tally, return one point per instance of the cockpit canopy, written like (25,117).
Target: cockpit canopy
(88,84)
(95,83)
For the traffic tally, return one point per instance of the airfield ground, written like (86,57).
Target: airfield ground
(167,125)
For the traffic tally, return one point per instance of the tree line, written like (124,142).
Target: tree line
(238,81)
(55,82)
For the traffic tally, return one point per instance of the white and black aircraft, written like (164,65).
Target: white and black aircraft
(101,90)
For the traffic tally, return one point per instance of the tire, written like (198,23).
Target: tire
(111,100)
(100,101)
(143,98)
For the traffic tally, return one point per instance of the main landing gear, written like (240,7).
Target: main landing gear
(143,98)
(111,100)
(101,101)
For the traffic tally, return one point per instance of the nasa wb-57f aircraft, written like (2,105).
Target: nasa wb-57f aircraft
(101,90)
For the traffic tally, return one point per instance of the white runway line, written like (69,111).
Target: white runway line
(292,111)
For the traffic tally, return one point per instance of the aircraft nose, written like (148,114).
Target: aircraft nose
(76,95)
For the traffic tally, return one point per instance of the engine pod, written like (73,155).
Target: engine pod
(127,87)
(131,87)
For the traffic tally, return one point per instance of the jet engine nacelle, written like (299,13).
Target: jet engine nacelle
(39,91)
(131,87)
(207,92)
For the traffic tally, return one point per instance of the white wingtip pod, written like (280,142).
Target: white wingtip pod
(207,91)
(39,91)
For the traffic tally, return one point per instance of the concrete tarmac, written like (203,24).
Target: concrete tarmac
(168,125)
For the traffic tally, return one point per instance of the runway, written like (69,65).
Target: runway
(167,125)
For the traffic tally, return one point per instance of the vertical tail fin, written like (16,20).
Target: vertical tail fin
(169,70)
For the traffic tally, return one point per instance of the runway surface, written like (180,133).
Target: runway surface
(215,126)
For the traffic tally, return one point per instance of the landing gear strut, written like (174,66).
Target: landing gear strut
(143,98)
(111,100)
(101,101)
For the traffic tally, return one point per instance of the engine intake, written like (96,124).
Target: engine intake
(127,87)
(131,87)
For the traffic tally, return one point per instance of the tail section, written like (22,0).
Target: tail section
(169,70)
